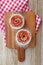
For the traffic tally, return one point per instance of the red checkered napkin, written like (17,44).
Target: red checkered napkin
(14,6)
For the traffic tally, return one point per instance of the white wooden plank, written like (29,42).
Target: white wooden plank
(33,56)
(42,35)
(27,58)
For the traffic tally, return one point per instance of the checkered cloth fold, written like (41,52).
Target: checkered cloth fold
(14,6)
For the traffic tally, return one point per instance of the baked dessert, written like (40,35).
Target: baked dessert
(16,21)
(23,37)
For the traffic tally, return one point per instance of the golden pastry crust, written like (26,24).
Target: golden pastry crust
(23,37)
(16,21)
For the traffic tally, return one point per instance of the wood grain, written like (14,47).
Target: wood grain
(10,33)
(33,56)
(21,54)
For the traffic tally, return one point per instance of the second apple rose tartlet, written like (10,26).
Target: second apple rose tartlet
(23,37)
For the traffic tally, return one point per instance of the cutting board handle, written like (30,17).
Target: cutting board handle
(21,54)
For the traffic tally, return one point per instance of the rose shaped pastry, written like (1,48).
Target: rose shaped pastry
(23,37)
(16,21)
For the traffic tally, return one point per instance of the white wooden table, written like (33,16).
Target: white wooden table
(34,56)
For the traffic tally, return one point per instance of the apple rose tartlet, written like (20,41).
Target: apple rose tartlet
(23,37)
(16,21)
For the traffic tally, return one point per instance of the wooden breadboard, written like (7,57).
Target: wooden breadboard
(10,33)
